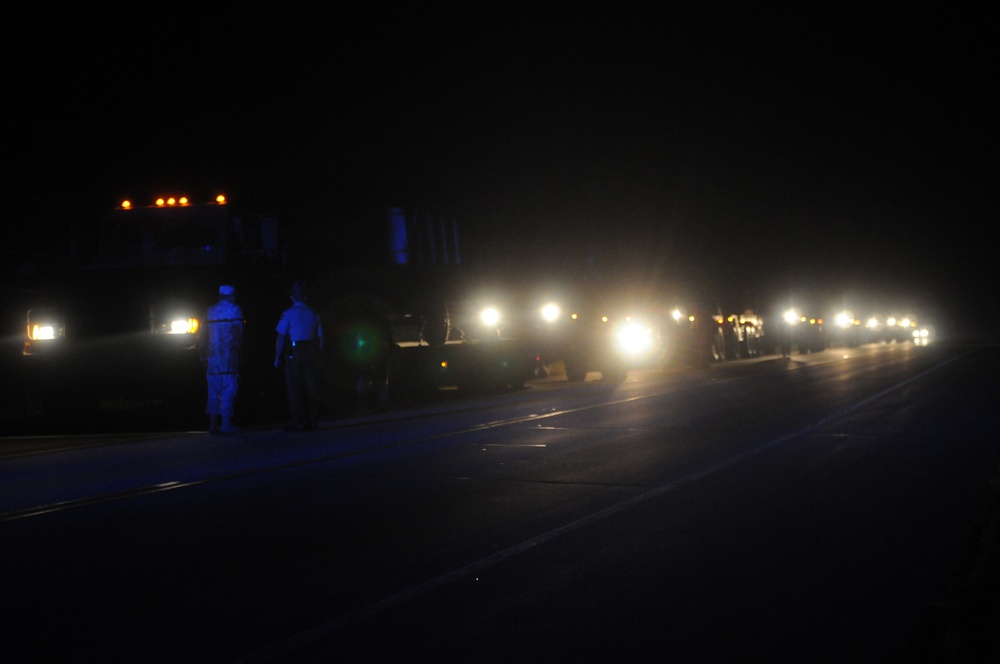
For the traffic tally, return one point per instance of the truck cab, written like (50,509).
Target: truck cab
(124,319)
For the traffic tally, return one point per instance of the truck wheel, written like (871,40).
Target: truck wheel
(718,346)
(614,375)
(575,370)
(512,374)
(436,324)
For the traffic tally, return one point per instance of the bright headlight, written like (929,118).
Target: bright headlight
(792,317)
(44,325)
(489,316)
(42,332)
(550,312)
(179,325)
(844,319)
(634,339)
(184,326)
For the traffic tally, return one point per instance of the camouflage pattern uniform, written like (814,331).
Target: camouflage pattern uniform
(224,321)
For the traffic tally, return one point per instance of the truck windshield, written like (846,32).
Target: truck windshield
(158,237)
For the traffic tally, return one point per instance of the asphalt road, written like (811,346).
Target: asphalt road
(826,508)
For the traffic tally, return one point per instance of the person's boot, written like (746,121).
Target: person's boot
(228,426)
(213,423)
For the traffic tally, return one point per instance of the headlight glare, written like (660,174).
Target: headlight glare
(489,316)
(45,325)
(42,332)
(634,339)
(550,312)
(181,326)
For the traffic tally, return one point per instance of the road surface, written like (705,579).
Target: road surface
(824,508)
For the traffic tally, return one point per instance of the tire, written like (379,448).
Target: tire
(718,346)
(436,324)
(576,371)
(614,375)
(513,374)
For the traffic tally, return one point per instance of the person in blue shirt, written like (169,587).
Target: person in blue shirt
(300,340)
(220,352)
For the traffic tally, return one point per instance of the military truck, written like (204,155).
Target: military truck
(118,328)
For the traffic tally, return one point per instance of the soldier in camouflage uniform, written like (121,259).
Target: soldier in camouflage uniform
(220,352)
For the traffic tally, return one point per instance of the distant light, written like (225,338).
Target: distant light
(220,199)
(183,200)
(550,312)
(126,204)
(160,202)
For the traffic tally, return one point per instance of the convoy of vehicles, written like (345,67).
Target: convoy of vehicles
(123,323)
(609,336)
(129,310)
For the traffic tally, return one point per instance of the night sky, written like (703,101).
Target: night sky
(810,154)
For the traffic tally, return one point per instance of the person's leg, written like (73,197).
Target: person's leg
(212,405)
(227,401)
(293,376)
(311,388)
